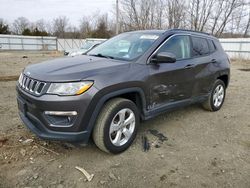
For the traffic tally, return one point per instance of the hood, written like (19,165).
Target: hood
(74,68)
(77,52)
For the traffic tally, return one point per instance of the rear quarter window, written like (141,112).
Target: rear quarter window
(200,46)
(211,46)
(218,45)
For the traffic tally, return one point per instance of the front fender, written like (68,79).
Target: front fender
(96,107)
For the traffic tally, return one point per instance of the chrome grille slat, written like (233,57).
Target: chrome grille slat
(37,86)
(32,86)
(27,84)
(24,80)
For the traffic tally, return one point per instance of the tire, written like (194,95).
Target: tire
(211,104)
(110,126)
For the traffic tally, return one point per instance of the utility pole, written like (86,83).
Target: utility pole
(117,18)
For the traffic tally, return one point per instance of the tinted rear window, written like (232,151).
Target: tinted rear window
(200,46)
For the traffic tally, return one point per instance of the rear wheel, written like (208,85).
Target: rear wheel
(116,126)
(216,99)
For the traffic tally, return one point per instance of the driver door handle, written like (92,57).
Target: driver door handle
(213,61)
(189,66)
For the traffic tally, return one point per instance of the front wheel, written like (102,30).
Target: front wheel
(216,99)
(116,125)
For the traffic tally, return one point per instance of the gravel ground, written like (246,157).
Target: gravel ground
(204,149)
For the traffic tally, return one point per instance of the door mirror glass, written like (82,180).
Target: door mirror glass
(164,57)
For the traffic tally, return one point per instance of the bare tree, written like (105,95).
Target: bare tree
(41,25)
(102,30)
(20,24)
(218,10)
(85,26)
(213,16)
(229,7)
(49,27)
(92,25)
(140,14)
(218,17)
(60,26)
(73,32)
(247,26)
(175,13)
(237,22)
(200,13)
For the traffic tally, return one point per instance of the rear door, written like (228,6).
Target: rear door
(171,82)
(205,62)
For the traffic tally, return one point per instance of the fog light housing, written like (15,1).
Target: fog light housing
(60,118)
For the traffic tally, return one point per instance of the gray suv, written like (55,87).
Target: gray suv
(131,77)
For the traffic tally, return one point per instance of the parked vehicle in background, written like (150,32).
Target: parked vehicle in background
(133,76)
(87,45)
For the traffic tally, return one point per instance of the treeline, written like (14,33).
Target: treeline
(222,18)
(98,27)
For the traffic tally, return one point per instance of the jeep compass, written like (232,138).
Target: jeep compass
(133,76)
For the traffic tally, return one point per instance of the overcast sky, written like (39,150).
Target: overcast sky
(49,9)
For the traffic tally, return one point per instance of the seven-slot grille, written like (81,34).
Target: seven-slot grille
(30,85)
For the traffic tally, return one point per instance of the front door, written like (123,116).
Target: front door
(172,82)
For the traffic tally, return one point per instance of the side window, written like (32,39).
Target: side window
(211,45)
(178,45)
(200,46)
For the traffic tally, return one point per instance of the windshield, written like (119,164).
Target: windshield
(126,46)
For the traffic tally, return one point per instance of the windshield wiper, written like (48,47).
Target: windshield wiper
(100,55)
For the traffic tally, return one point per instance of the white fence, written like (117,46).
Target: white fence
(235,47)
(18,42)
(67,44)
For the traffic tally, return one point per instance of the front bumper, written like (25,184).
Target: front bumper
(32,113)
(39,129)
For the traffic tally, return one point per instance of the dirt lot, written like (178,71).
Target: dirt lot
(203,149)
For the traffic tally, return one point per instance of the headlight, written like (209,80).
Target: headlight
(20,79)
(73,88)
(72,54)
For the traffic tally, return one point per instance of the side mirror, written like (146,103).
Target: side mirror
(164,57)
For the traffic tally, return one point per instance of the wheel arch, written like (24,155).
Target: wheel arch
(134,94)
(224,78)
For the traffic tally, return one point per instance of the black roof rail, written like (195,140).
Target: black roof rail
(186,30)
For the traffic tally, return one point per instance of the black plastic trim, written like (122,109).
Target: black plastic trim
(53,135)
